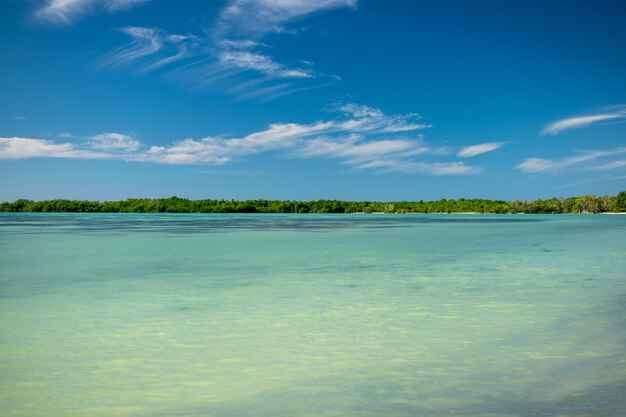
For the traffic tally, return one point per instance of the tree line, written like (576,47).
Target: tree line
(581,204)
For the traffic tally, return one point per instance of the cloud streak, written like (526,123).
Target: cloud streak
(430,168)
(470,151)
(255,18)
(66,12)
(610,165)
(362,138)
(237,32)
(261,63)
(112,141)
(23,148)
(229,56)
(145,42)
(578,122)
(241,68)
(540,165)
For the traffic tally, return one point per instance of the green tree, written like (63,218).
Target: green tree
(620,202)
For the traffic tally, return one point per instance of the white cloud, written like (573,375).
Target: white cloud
(240,66)
(255,18)
(20,118)
(474,150)
(356,151)
(432,168)
(22,148)
(186,152)
(540,165)
(66,12)
(215,150)
(368,119)
(303,140)
(114,142)
(229,56)
(239,44)
(145,42)
(362,138)
(618,112)
(152,49)
(261,63)
(359,110)
(610,165)
(536,165)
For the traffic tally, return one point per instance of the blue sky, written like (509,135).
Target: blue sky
(293,99)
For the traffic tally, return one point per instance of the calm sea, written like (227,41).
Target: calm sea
(312,315)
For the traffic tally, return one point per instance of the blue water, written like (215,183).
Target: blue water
(312,315)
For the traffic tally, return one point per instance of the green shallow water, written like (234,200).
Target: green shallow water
(303,315)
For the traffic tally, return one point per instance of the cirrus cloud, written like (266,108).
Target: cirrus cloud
(228,56)
(362,138)
(469,151)
(23,148)
(255,18)
(614,113)
(114,141)
(66,12)
(541,165)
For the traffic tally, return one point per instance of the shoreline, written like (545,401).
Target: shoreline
(576,205)
(314,213)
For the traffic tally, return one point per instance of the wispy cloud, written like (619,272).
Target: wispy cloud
(361,137)
(229,56)
(368,118)
(610,165)
(261,63)
(344,139)
(386,155)
(20,118)
(145,42)
(112,141)
(230,173)
(255,18)
(540,165)
(354,150)
(102,146)
(474,150)
(613,113)
(240,68)
(431,168)
(66,12)
(242,23)
(151,49)
(23,148)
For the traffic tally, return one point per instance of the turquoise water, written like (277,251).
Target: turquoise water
(306,315)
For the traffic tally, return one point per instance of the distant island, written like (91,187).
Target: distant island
(571,205)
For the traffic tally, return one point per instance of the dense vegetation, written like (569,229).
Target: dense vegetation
(582,204)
